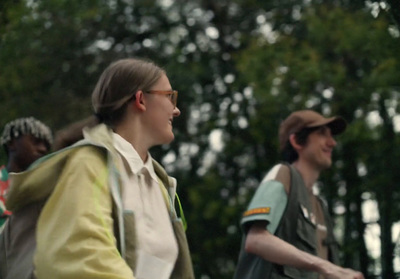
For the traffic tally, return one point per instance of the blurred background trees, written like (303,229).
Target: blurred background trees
(241,66)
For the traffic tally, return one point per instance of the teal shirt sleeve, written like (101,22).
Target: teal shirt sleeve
(268,204)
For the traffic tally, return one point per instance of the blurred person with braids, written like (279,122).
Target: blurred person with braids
(108,208)
(24,141)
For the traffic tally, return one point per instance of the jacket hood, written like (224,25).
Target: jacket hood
(38,182)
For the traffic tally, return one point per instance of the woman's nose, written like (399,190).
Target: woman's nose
(176,112)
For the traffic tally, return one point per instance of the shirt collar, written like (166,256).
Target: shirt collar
(132,158)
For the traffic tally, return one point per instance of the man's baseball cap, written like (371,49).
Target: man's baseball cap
(301,119)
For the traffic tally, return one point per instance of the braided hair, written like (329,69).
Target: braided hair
(24,126)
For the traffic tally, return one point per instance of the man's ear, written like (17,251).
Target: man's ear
(293,142)
(140,102)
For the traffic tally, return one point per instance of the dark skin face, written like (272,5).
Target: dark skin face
(23,151)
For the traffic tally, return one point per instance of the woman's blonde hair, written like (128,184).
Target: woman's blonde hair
(118,84)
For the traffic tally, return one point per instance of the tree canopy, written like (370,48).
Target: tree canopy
(240,68)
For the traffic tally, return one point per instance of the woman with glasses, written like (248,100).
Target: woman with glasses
(110,208)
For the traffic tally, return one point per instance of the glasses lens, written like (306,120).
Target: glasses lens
(174,97)
(172,94)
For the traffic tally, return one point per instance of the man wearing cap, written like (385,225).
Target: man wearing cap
(288,230)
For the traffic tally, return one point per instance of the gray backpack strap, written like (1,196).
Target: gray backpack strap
(290,211)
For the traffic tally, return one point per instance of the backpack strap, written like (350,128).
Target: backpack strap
(291,211)
(170,205)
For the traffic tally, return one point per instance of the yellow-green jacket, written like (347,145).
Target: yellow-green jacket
(83,231)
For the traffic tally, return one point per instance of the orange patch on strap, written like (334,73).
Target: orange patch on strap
(260,210)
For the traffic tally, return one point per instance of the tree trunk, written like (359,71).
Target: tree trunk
(387,177)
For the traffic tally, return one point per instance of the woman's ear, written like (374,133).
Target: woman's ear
(140,102)
(293,142)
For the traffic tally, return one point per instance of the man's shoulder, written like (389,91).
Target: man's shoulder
(281,173)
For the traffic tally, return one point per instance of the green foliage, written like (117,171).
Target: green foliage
(240,68)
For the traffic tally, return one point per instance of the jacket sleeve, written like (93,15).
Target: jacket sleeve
(74,233)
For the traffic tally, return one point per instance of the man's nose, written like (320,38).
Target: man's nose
(42,148)
(332,142)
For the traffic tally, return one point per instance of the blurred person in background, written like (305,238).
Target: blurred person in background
(24,141)
(288,232)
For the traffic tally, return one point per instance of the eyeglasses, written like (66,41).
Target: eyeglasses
(172,94)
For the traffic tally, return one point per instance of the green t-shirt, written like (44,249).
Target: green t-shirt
(268,203)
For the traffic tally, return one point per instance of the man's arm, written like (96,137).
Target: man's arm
(273,249)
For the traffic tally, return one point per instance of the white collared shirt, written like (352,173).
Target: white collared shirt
(157,246)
